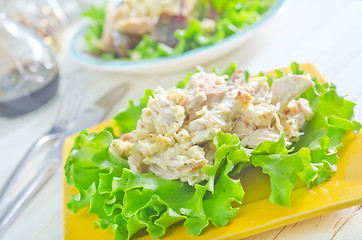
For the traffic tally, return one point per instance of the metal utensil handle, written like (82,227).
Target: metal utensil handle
(24,197)
(24,161)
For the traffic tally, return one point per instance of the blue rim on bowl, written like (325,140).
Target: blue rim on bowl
(86,58)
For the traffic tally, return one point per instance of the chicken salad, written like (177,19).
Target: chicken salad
(181,168)
(147,29)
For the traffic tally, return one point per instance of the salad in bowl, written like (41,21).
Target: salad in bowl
(178,156)
(139,33)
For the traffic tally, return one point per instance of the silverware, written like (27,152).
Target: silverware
(101,108)
(12,210)
(68,111)
(90,117)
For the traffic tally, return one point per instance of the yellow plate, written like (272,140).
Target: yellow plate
(257,214)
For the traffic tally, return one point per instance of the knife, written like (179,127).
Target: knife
(90,117)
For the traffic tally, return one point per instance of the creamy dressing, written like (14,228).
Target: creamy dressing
(174,134)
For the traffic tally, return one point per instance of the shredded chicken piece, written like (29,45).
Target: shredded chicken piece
(174,135)
(208,25)
(121,148)
(139,17)
(259,89)
(284,89)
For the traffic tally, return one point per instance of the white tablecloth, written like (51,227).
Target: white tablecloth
(327,33)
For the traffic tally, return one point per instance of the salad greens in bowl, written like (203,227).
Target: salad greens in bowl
(181,151)
(166,35)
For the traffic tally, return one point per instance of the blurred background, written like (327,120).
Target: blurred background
(36,65)
(30,33)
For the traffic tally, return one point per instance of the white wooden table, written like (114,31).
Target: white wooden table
(327,33)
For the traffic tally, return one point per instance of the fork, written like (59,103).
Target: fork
(71,104)
(14,207)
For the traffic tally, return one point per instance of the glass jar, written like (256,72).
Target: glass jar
(29,75)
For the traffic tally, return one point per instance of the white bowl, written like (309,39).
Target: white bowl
(172,63)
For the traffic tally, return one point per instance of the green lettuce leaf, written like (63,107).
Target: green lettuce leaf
(283,168)
(222,189)
(108,188)
(88,164)
(94,32)
(127,119)
(333,117)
